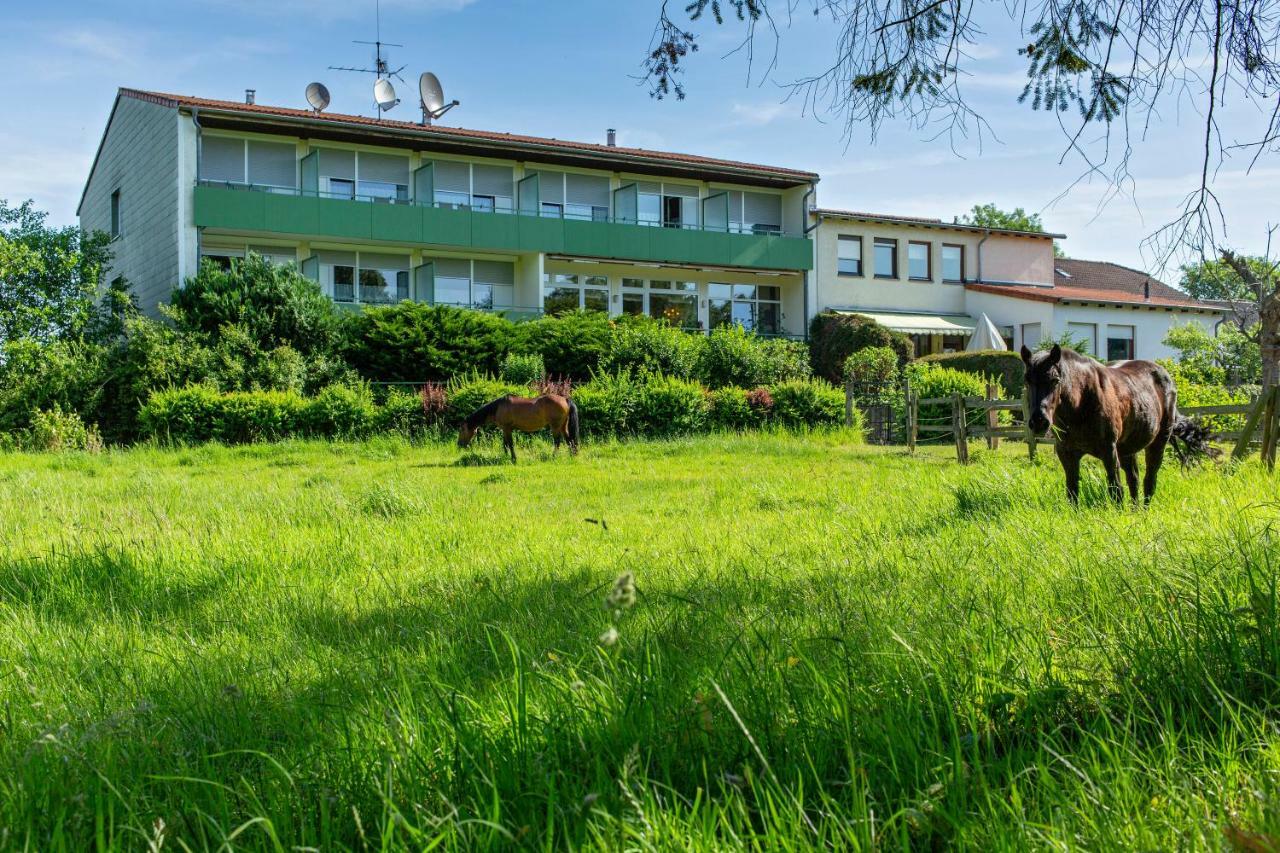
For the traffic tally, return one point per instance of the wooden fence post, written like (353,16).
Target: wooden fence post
(1027,434)
(848,404)
(913,419)
(993,440)
(1269,429)
(960,428)
(1250,426)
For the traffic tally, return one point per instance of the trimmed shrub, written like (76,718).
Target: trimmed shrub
(643,345)
(55,430)
(729,409)
(607,403)
(871,367)
(201,413)
(666,406)
(734,356)
(415,342)
(340,411)
(834,337)
(807,403)
(1002,366)
(404,413)
(276,305)
(571,345)
(523,368)
(931,380)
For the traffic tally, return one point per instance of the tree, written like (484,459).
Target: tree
(990,216)
(1230,357)
(49,277)
(1094,63)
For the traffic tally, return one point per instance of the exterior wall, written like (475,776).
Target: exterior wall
(1150,325)
(1005,311)
(1004,258)
(140,157)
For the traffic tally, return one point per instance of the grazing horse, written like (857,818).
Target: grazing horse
(511,413)
(1109,411)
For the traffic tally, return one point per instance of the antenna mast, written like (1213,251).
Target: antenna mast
(381,68)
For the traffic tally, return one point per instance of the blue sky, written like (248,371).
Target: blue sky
(568,69)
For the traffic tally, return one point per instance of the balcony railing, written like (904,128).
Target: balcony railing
(289,210)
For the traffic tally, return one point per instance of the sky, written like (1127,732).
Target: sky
(570,69)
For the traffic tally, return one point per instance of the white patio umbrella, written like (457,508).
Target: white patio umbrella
(986,336)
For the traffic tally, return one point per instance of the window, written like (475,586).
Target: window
(552,209)
(922,344)
(1031,335)
(1084,334)
(568,292)
(483,203)
(115,214)
(344,283)
(952,263)
(751,306)
(673,301)
(1119,343)
(364,277)
(383,286)
(849,255)
(1006,334)
(340,188)
(919,265)
(953,343)
(886,258)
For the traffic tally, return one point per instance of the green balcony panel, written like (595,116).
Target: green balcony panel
(308,217)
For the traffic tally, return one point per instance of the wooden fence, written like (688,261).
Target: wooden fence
(1260,424)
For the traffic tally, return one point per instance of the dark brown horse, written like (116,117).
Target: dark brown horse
(527,415)
(1109,411)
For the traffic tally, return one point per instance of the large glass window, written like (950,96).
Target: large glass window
(344,283)
(1119,343)
(676,302)
(886,258)
(383,286)
(564,292)
(369,278)
(918,263)
(849,255)
(952,263)
(755,307)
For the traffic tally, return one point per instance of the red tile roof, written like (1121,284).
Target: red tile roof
(928,222)
(1099,281)
(463,134)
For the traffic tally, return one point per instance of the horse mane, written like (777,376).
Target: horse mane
(482,414)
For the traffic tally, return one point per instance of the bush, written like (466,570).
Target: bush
(523,368)
(932,380)
(38,377)
(1192,393)
(644,345)
(416,342)
(807,403)
(734,356)
(834,337)
(607,404)
(871,367)
(1001,366)
(275,304)
(200,413)
(404,413)
(341,411)
(55,430)
(571,345)
(665,405)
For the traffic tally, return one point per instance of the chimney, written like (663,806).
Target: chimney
(611,138)
(249,95)
(1146,289)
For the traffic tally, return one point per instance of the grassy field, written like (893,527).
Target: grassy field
(390,646)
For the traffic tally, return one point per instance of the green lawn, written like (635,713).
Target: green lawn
(344,646)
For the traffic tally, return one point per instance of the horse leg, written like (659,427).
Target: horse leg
(1130,466)
(1155,455)
(1111,461)
(509,444)
(1071,467)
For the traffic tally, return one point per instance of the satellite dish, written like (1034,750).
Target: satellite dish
(432,92)
(317,96)
(432,95)
(384,94)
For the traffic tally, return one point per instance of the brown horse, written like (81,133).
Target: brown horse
(1111,412)
(527,415)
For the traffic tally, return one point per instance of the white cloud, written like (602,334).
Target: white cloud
(759,115)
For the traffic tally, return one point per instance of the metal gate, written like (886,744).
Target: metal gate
(882,408)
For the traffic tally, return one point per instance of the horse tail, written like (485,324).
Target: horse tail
(1190,440)
(573,424)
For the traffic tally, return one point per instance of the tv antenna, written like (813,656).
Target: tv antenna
(384,94)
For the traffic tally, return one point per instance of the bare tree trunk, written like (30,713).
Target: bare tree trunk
(1267,288)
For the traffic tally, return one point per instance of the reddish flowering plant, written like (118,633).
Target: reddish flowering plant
(548,385)
(760,400)
(434,401)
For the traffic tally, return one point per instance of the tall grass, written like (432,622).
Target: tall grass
(370,645)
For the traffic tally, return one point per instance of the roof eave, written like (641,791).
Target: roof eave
(946,226)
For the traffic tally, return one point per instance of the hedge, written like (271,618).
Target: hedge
(1001,365)
(834,337)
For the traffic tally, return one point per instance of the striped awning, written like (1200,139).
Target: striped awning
(923,324)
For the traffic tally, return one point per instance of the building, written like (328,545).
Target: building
(378,211)
(932,279)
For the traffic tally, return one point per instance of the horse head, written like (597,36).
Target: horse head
(466,433)
(1044,384)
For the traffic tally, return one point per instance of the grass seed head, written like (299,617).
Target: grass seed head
(623,594)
